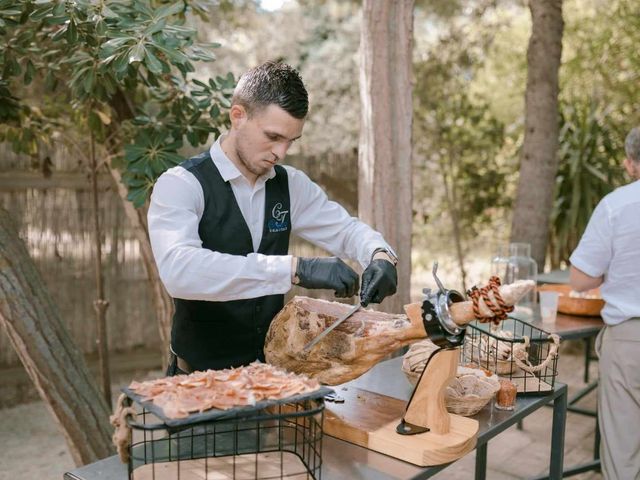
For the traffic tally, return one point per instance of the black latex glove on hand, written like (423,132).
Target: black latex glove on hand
(329,273)
(379,280)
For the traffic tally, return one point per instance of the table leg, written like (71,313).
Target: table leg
(557,436)
(593,465)
(596,443)
(481,462)
(587,358)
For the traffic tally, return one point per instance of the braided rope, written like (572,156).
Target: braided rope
(499,311)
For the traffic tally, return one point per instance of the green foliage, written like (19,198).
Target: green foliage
(457,134)
(599,82)
(465,140)
(590,166)
(602,61)
(121,70)
(599,78)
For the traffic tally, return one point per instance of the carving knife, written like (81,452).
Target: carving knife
(324,333)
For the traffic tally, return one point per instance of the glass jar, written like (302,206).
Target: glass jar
(506,396)
(521,266)
(499,262)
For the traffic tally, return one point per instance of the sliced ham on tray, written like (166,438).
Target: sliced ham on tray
(181,395)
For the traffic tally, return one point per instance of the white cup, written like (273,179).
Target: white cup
(548,306)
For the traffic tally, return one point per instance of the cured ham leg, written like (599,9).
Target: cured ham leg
(345,353)
(357,344)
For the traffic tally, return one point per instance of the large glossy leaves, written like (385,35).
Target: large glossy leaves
(590,166)
(122,70)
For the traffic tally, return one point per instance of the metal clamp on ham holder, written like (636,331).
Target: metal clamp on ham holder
(425,410)
(440,327)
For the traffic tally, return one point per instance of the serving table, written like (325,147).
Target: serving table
(573,327)
(343,460)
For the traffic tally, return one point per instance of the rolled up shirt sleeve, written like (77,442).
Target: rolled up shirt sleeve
(192,272)
(594,252)
(327,224)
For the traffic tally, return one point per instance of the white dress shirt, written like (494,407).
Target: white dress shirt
(610,246)
(191,272)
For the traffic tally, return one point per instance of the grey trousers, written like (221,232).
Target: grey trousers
(618,347)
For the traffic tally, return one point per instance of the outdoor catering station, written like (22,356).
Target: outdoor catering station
(319,239)
(333,402)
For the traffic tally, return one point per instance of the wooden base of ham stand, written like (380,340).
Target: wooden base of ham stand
(371,420)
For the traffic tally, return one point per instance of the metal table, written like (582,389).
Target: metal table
(345,460)
(572,327)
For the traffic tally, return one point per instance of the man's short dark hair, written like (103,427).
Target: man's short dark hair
(632,145)
(272,83)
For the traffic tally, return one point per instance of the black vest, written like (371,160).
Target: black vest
(215,335)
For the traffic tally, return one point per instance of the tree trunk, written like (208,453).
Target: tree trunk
(52,360)
(539,162)
(161,299)
(384,159)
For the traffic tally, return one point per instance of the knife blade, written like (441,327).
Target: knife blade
(324,333)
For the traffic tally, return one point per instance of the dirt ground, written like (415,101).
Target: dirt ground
(32,445)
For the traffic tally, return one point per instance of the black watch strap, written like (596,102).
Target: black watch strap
(391,255)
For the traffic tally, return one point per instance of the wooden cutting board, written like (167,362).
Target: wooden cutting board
(369,419)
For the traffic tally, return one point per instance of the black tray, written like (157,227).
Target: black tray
(217,414)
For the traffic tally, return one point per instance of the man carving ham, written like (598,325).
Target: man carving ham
(220,225)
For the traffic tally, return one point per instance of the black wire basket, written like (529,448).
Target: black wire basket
(279,440)
(515,350)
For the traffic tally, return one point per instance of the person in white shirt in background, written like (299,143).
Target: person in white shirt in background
(608,256)
(220,223)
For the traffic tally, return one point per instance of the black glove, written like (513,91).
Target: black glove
(379,280)
(330,273)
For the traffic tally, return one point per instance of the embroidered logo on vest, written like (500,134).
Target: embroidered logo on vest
(278,221)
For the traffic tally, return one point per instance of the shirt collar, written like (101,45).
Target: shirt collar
(226,167)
